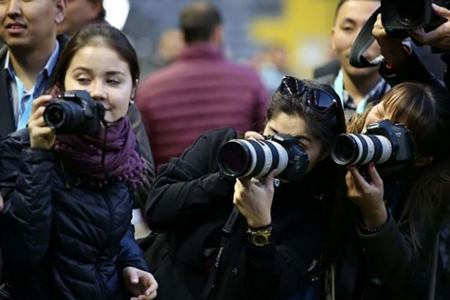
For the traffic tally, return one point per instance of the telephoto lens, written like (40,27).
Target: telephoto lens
(361,149)
(252,158)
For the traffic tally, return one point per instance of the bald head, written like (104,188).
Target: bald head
(198,22)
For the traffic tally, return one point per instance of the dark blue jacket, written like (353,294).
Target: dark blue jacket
(62,239)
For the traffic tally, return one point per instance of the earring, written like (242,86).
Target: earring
(131,100)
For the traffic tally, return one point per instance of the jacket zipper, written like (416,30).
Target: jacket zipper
(111,224)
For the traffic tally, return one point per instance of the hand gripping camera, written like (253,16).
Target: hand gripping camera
(74,112)
(383,143)
(257,158)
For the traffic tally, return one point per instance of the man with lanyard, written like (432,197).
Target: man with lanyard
(356,86)
(28,29)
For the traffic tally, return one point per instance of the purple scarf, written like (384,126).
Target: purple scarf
(82,155)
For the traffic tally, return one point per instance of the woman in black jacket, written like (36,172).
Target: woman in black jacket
(390,247)
(65,229)
(267,253)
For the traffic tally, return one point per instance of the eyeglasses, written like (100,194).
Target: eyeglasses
(318,100)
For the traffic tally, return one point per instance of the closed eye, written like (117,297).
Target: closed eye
(83,81)
(113,81)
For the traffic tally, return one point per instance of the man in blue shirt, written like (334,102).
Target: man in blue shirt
(28,29)
(355,86)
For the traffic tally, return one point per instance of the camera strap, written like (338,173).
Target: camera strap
(362,43)
(211,288)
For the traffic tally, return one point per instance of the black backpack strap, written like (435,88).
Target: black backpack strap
(362,43)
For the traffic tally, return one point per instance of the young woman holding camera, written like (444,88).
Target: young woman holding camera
(66,228)
(266,252)
(399,208)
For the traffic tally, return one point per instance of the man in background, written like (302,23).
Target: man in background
(28,59)
(200,91)
(80,13)
(356,86)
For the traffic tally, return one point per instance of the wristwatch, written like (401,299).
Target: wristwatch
(259,237)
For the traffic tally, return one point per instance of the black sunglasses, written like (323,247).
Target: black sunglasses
(318,100)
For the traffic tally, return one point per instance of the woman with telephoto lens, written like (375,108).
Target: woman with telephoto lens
(399,207)
(222,237)
(66,229)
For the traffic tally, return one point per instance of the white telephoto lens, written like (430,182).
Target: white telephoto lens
(359,147)
(253,156)
(386,149)
(370,150)
(267,159)
(283,158)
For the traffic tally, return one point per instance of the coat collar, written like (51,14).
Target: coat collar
(201,51)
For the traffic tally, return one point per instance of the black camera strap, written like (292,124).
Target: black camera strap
(212,287)
(362,43)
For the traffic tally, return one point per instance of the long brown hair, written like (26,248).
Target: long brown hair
(425,111)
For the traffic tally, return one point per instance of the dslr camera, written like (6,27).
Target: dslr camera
(257,158)
(74,112)
(402,15)
(383,143)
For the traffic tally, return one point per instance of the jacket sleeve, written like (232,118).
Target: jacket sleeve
(398,269)
(26,188)
(130,255)
(411,70)
(187,188)
(280,271)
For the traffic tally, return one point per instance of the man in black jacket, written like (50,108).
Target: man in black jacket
(355,86)
(29,57)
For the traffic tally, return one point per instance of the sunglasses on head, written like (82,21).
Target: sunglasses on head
(318,100)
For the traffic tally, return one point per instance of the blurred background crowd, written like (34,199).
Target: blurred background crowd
(275,36)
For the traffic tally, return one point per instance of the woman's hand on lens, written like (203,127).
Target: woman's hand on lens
(254,201)
(391,47)
(440,37)
(41,136)
(253,135)
(368,196)
(140,284)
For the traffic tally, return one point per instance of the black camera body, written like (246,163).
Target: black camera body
(257,158)
(75,112)
(383,143)
(400,15)
(400,139)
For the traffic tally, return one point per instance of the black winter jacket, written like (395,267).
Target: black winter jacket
(62,239)
(189,204)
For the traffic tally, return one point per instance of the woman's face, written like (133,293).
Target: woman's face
(105,75)
(296,127)
(378,113)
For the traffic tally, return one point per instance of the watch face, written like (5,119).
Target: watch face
(259,240)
